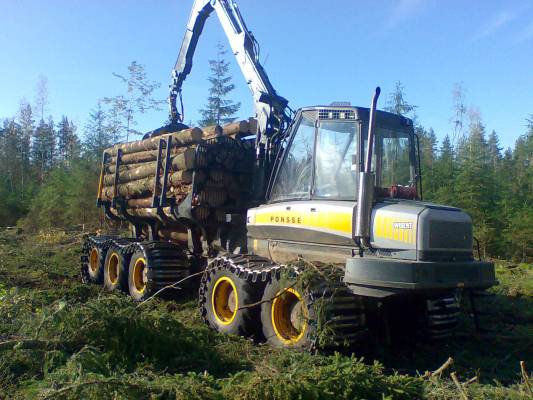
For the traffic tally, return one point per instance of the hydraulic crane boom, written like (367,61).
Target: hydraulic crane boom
(270,108)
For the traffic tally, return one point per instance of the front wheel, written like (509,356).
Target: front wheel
(226,300)
(285,316)
(323,314)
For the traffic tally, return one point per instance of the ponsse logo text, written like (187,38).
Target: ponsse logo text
(285,220)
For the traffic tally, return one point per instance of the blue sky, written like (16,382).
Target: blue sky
(315,52)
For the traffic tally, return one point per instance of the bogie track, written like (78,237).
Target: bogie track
(147,266)
(325,315)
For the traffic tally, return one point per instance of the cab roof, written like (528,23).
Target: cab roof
(383,118)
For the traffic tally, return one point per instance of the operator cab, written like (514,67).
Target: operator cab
(312,196)
(326,149)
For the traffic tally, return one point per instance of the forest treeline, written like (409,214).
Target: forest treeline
(49,169)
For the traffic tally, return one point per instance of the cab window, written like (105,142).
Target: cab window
(335,165)
(295,175)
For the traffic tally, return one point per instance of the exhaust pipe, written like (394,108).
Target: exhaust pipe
(365,195)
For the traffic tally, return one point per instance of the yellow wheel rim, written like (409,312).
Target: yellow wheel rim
(112,268)
(289,316)
(225,300)
(139,275)
(93,259)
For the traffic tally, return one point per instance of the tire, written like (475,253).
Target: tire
(138,284)
(326,315)
(157,265)
(222,293)
(442,316)
(116,270)
(286,316)
(95,263)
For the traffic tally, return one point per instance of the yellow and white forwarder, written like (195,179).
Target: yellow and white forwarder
(336,185)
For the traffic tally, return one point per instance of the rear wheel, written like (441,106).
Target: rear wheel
(116,270)
(96,263)
(138,276)
(157,265)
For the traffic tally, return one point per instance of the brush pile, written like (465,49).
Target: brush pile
(211,164)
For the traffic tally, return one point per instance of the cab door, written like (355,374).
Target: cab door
(312,200)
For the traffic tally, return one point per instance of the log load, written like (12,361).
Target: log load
(181,138)
(217,175)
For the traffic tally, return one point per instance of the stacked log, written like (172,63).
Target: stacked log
(217,175)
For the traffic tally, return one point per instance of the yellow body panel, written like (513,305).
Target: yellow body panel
(333,220)
(337,219)
(395,226)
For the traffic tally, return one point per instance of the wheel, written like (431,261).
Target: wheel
(442,314)
(138,276)
(96,262)
(157,265)
(222,297)
(116,270)
(285,316)
(324,315)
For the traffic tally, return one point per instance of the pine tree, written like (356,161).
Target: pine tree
(138,99)
(219,110)
(458,114)
(41,96)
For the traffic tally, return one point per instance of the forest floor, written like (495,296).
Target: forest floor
(60,339)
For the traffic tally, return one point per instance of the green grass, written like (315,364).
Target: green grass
(63,340)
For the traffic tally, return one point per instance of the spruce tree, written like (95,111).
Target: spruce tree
(67,141)
(475,183)
(97,136)
(43,148)
(444,173)
(27,125)
(397,104)
(519,199)
(494,150)
(219,110)
(11,206)
(428,149)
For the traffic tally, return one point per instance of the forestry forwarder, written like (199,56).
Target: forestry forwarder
(334,184)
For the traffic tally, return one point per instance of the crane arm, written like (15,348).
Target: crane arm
(270,109)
